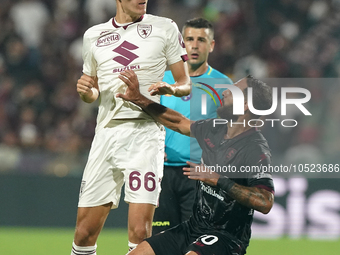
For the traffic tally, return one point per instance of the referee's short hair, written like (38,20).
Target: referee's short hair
(199,23)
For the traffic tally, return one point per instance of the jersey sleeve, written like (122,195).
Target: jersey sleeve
(175,48)
(90,64)
(260,178)
(200,128)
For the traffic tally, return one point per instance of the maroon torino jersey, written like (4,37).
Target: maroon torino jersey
(213,208)
(145,46)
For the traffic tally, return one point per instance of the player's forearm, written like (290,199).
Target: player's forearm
(182,85)
(169,118)
(256,198)
(252,197)
(182,88)
(166,116)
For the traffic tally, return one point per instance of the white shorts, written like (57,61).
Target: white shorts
(124,152)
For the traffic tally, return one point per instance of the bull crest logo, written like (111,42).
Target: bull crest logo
(144,30)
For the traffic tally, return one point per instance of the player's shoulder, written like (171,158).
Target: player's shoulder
(257,144)
(99,29)
(154,18)
(206,126)
(258,137)
(162,22)
(217,74)
(204,122)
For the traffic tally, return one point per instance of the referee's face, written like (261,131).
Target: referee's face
(198,43)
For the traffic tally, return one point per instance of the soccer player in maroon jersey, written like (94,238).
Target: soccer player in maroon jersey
(225,201)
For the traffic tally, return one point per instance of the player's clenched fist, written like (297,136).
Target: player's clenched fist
(87,88)
(84,85)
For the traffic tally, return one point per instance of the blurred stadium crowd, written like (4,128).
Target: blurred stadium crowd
(46,128)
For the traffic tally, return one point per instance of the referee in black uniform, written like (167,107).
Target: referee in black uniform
(225,201)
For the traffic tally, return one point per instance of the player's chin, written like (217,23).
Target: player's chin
(142,9)
(141,12)
(193,61)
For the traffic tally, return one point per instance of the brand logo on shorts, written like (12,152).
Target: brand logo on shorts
(160,223)
(107,39)
(144,30)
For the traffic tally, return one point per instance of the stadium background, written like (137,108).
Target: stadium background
(46,130)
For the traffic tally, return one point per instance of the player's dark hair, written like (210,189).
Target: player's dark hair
(262,94)
(199,23)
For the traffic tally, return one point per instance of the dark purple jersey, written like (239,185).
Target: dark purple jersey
(235,158)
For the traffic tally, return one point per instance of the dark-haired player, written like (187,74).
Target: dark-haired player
(128,146)
(225,203)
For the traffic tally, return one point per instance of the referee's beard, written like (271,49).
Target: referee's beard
(226,112)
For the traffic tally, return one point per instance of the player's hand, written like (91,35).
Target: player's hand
(132,92)
(201,173)
(161,88)
(85,85)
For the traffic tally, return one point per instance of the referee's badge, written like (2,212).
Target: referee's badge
(144,30)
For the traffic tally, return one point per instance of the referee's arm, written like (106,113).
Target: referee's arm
(166,116)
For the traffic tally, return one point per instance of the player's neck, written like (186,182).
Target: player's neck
(124,18)
(237,127)
(198,70)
